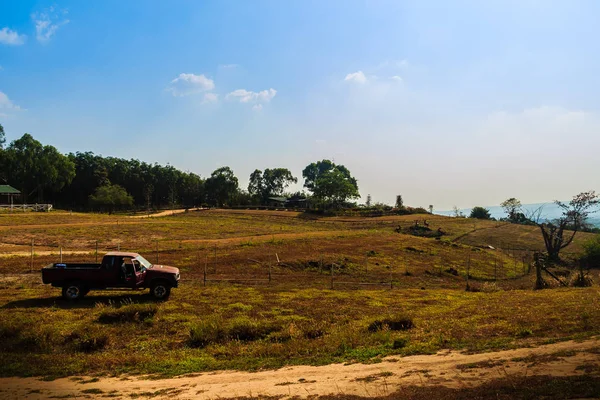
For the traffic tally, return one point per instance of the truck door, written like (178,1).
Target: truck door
(140,273)
(128,276)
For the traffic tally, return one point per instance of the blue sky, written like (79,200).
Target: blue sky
(447,103)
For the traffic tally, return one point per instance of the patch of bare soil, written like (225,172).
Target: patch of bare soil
(447,369)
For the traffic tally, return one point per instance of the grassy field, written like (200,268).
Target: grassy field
(415,302)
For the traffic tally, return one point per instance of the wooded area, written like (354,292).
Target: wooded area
(87,181)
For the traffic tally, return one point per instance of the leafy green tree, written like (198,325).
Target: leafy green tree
(34,168)
(272,182)
(221,187)
(255,185)
(330,182)
(512,207)
(111,197)
(2,137)
(399,201)
(480,213)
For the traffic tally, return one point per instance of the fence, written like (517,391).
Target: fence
(211,264)
(26,207)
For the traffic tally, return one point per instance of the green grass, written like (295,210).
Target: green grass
(196,330)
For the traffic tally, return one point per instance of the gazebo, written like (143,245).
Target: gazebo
(10,192)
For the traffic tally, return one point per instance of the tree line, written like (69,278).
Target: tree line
(84,181)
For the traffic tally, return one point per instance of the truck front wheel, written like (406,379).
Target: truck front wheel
(73,291)
(160,290)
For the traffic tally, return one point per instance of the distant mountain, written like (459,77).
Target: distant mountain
(549,211)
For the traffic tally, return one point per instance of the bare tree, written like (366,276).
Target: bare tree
(559,233)
(456,212)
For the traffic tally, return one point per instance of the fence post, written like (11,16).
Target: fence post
(332,276)
(321,265)
(205,266)
(31,266)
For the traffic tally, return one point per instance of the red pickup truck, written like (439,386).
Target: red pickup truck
(118,270)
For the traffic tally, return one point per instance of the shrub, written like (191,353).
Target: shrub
(207,332)
(127,313)
(247,329)
(394,323)
(399,343)
(490,287)
(214,330)
(480,213)
(591,255)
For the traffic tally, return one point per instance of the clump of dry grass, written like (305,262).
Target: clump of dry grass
(88,339)
(244,329)
(127,313)
(393,323)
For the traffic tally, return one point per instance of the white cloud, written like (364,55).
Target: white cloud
(246,96)
(228,66)
(397,78)
(210,98)
(358,77)
(186,84)
(47,23)
(257,107)
(7,104)
(10,37)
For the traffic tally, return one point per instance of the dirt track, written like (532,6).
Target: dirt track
(450,369)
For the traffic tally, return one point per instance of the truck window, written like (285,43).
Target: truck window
(127,268)
(137,265)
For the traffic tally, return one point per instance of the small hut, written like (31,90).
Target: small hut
(9,193)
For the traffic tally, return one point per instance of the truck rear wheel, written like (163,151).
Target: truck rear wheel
(73,291)
(160,290)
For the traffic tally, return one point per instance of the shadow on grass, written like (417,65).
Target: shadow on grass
(86,302)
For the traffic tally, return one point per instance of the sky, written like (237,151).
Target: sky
(447,103)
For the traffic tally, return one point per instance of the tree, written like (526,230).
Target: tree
(399,201)
(34,168)
(430,209)
(573,218)
(512,207)
(2,137)
(368,203)
(111,197)
(329,182)
(270,183)
(480,213)
(457,213)
(222,186)
(255,185)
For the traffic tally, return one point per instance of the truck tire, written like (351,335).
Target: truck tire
(160,290)
(73,291)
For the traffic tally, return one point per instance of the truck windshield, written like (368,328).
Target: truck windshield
(144,262)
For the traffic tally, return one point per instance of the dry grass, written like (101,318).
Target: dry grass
(296,319)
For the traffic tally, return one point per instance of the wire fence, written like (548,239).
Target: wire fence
(210,263)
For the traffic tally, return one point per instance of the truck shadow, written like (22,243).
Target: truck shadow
(89,301)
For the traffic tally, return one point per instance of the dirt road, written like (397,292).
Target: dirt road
(449,369)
